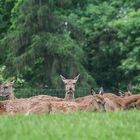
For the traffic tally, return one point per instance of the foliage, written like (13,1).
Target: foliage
(41,39)
(2,68)
(5,14)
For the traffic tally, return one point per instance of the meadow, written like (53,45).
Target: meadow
(72,126)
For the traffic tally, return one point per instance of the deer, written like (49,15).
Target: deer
(112,102)
(6,90)
(128,92)
(69,87)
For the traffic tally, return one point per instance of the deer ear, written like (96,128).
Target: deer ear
(12,81)
(77,77)
(62,77)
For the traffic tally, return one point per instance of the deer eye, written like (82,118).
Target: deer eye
(5,87)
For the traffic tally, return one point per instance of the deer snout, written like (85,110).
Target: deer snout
(70,89)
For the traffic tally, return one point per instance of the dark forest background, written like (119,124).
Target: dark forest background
(41,39)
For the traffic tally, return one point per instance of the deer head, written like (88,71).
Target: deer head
(70,86)
(99,102)
(6,90)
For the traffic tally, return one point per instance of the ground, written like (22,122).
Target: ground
(72,126)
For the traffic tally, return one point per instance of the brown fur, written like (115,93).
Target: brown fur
(38,105)
(64,106)
(2,108)
(113,102)
(47,104)
(138,104)
(90,103)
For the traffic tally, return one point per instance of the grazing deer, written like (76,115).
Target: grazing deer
(6,90)
(70,87)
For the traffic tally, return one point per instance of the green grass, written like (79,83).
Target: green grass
(73,126)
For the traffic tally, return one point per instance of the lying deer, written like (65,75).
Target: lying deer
(70,87)
(112,102)
(6,90)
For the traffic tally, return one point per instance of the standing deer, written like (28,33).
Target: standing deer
(6,90)
(70,87)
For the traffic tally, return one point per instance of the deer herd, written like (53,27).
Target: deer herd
(48,104)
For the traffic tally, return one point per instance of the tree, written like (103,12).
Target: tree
(40,46)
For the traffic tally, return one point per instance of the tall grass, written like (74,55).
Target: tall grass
(72,126)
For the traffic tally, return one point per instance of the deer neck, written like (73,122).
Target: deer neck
(69,96)
(11,96)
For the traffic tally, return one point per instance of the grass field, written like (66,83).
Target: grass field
(73,126)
